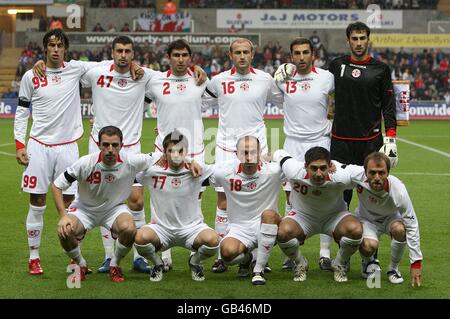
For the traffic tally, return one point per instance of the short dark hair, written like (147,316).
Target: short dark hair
(299,41)
(179,44)
(59,35)
(317,153)
(110,131)
(175,137)
(377,157)
(122,39)
(357,26)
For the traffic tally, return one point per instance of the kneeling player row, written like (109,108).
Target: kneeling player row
(252,188)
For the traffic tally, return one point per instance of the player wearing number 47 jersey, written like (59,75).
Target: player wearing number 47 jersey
(56,127)
(105,180)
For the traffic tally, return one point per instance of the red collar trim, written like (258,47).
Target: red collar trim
(233,71)
(259,167)
(166,166)
(361,62)
(328,178)
(313,69)
(112,67)
(386,188)
(119,160)
(100,157)
(252,70)
(188,72)
(239,169)
(295,73)
(306,176)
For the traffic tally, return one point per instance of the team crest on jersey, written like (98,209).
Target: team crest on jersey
(181,87)
(356,73)
(372,199)
(316,192)
(176,182)
(244,87)
(56,79)
(122,83)
(251,186)
(305,86)
(110,178)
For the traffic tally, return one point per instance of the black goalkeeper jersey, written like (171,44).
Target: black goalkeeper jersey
(363,95)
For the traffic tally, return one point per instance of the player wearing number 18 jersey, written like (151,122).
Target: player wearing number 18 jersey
(242,94)
(56,127)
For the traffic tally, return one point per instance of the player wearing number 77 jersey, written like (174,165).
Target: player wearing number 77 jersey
(57,126)
(242,94)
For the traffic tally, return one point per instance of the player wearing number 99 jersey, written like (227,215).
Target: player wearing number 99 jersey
(56,127)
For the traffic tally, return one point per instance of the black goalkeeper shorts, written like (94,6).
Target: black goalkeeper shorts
(354,152)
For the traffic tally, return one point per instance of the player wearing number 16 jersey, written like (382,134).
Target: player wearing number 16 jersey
(118,100)
(56,127)
(242,94)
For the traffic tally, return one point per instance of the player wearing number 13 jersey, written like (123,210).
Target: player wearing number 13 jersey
(56,127)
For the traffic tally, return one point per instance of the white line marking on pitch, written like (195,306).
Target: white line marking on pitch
(419,174)
(8,144)
(425,147)
(7,154)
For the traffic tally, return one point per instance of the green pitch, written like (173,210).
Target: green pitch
(425,172)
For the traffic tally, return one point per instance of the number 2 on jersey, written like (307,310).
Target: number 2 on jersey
(166,88)
(101,80)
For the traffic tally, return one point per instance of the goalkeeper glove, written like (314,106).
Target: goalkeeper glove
(284,72)
(390,149)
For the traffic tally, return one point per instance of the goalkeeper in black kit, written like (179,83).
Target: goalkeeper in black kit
(364,96)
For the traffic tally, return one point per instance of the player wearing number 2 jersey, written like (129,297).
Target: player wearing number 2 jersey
(57,126)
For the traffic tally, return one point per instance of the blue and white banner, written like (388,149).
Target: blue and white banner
(308,19)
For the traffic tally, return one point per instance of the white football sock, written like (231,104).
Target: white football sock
(149,252)
(287,208)
(347,248)
(139,221)
(242,258)
(221,223)
(75,254)
(325,244)
(121,251)
(35,225)
(290,249)
(108,242)
(266,241)
(397,250)
(167,254)
(202,253)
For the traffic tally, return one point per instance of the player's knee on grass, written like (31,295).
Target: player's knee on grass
(368,247)
(145,235)
(126,229)
(38,200)
(349,227)
(398,231)
(228,252)
(287,231)
(270,217)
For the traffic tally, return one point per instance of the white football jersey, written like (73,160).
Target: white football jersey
(118,100)
(306,105)
(179,106)
(55,102)
(101,187)
(377,206)
(248,196)
(174,195)
(317,201)
(242,100)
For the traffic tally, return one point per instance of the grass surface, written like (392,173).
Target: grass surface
(425,173)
